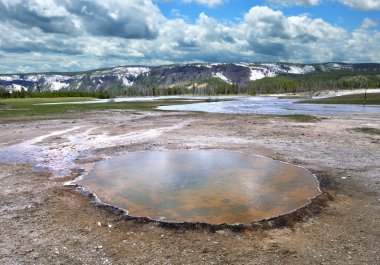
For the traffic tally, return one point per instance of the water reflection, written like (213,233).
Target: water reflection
(201,186)
(273,106)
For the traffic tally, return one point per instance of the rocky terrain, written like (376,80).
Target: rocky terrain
(44,222)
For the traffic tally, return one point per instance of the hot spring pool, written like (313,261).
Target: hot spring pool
(210,186)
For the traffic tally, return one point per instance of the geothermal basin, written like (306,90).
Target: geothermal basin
(206,186)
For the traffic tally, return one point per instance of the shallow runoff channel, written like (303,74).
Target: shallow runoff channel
(264,105)
(268,105)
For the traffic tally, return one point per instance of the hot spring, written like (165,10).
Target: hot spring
(210,186)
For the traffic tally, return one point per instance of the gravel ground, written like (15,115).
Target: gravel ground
(44,222)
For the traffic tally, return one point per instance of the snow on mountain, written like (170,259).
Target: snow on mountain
(222,77)
(55,86)
(125,74)
(136,71)
(56,82)
(33,78)
(122,77)
(260,73)
(121,71)
(9,78)
(15,87)
(126,82)
(290,69)
(215,64)
(256,74)
(336,66)
(301,70)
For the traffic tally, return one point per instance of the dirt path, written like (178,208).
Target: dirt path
(44,222)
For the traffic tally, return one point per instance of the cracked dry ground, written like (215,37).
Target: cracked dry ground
(44,222)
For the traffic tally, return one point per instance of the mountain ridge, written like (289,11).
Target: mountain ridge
(144,80)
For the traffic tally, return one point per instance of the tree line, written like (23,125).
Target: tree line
(278,85)
(269,85)
(52,94)
(209,89)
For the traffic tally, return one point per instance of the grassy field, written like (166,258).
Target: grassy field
(27,107)
(372,99)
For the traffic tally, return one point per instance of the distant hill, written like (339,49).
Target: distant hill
(210,78)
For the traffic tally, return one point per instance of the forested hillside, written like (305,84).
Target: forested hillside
(194,79)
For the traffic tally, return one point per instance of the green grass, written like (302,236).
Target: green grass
(367,130)
(302,118)
(26,108)
(372,99)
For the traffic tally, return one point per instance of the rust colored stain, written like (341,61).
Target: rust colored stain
(201,186)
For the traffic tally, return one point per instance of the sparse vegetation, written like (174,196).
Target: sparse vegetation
(28,107)
(369,99)
(302,118)
(367,130)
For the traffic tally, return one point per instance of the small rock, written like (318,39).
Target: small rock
(99,224)
(344,178)
(220,232)
(110,225)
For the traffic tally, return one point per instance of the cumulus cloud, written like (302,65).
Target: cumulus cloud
(46,15)
(297,2)
(125,19)
(263,34)
(208,3)
(368,23)
(24,40)
(362,46)
(362,4)
(270,32)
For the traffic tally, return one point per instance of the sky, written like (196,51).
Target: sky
(74,35)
